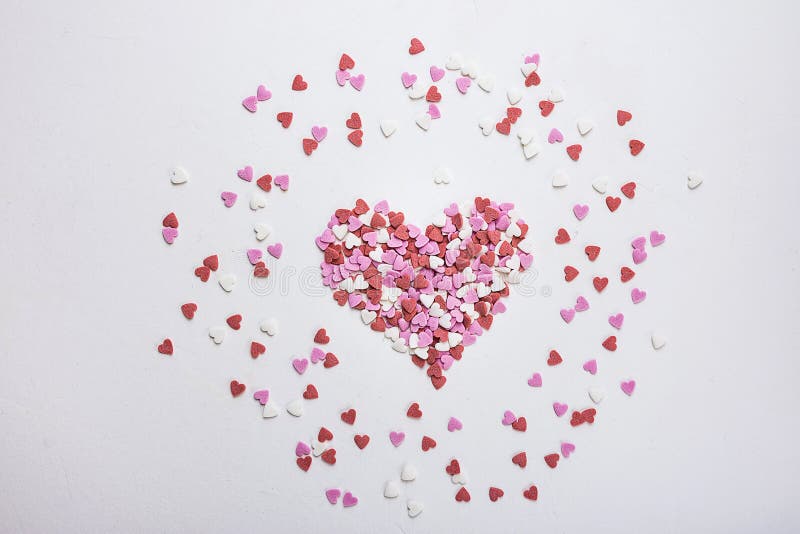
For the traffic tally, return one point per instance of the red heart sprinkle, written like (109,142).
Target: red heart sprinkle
(629,189)
(414,411)
(433,94)
(623,117)
(463,495)
(212,262)
(354,122)
(438,381)
(453,468)
(188,310)
(636,146)
(531,493)
(546,107)
(237,388)
(552,460)
(428,443)
(533,79)
(610,343)
(592,251)
(513,114)
(520,459)
(504,126)
(349,416)
(285,118)
(265,183)
(520,424)
(361,207)
(570,273)
(166,347)
(355,137)
(562,237)
(600,283)
(234,321)
(626,273)
(361,440)
(311,392)
(416,46)
(495,493)
(202,273)
(330,360)
(298,84)
(260,270)
(613,203)
(554,358)
(256,349)
(574,151)
(329,456)
(346,62)
(309,145)
(321,337)
(170,221)
(304,463)
(324,435)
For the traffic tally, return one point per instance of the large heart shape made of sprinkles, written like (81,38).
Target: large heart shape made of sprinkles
(431,291)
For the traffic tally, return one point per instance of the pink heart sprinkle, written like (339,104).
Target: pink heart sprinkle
(408,79)
(590,367)
(276,250)
(639,242)
(300,365)
(463,84)
(616,320)
(657,238)
(568,314)
(254,255)
(639,255)
(628,387)
(245,174)
(349,500)
(250,104)
(567,448)
(509,417)
(396,438)
(262,93)
(319,133)
(358,82)
(382,207)
(229,198)
(454,424)
(535,381)
(262,396)
(581,304)
(282,181)
(317,355)
(433,111)
(333,495)
(637,295)
(436,73)
(555,136)
(560,409)
(302,449)
(532,59)
(169,234)
(580,211)
(342,76)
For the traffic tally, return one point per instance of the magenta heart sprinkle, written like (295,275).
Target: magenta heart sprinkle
(560,409)
(302,449)
(333,495)
(454,424)
(535,381)
(396,438)
(262,396)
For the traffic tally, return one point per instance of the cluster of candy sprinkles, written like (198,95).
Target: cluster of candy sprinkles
(430,291)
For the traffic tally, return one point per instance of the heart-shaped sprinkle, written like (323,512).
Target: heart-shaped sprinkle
(423,121)
(309,145)
(349,416)
(433,111)
(234,321)
(509,417)
(535,381)
(433,94)
(202,273)
(560,409)
(520,425)
(462,84)
(428,443)
(657,238)
(592,251)
(637,295)
(414,507)
(356,137)
(256,349)
(302,448)
(570,273)
(304,463)
(436,73)
(495,493)
(269,326)
(298,83)
(275,250)
(413,411)
(416,46)
(295,408)
(178,175)
(391,490)
(237,388)
(627,387)
(585,126)
(568,314)
(250,103)
(623,117)
(229,198)
(532,493)
(463,495)
(388,127)
(533,79)
(262,396)
(574,152)
(562,237)
(555,136)
(590,367)
(629,189)
(300,365)
(329,456)
(567,448)
(625,273)
(486,83)
(600,185)
(245,173)
(545,106)
(658,341)
(454,424)
(333,495)
(613,203)
(170,221)
(254,255)
(408,473)
(554,358)
(408,79)
(635,146)
(285,118)
(580,211)
(358,81)
(349,500)
(616,320)
(166,347)
(169,235)
(600,283)
(311,392)
(552,460)
(282,181)
(227,282)
(361,440)
(520,459)
(341,77)
(263,94)
(693,179)
(319,132)
(217,334)
(346,62)
(396,438)
(610,343)
(188,310)
(581,304)
(638,255)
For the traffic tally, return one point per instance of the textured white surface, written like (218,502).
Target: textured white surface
(100,433)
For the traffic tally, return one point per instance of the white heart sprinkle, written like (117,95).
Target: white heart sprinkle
(217,333)
(262,231)
(414,508)
(295,407)
(400,346)
(367,316)
(525,136)
(597,395)
(514,95)
(658,341)
(442,175)
(459,478)
(227,282)
(560,179)
(415,92)
(424,121)
(531,150)
(694,179)
(258,201)
(270,326)
(600,185)
(527,68)
(391,490)
(178,175)
(408,473)
(585,126)
(486,83)
(318,448)
(270,411)
(388,127)
(555,95)
(454,61)
(487,125)
(470,68)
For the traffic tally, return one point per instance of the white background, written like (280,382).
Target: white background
(100,433)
